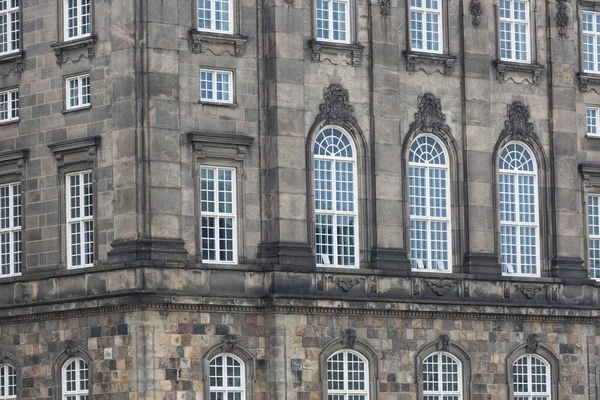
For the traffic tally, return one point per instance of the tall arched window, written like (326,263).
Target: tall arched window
(519,228)
(227,378)
(336,216)
(75,380)
(531,378)
(8,382)
(429,195)
(442,377)
(347,376)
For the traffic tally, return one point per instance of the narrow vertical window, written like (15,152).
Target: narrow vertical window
(218,214)
(75,380)
(347,376)
(425,25)
(519,228)
(332,20)
(9,105)
(590,25)
(8,382)
(80,219)
(11,256)
(514,31)
(215,16)
(216,86)
(227,378)
(77,21)
(594,235)
(429,196)
(78,92)
(442,377)
(336,215)
(531,378)
(10,28)
(591,121)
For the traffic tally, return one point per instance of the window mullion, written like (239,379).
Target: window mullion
(217,217)
(11,252)
(334,207)
(428,215)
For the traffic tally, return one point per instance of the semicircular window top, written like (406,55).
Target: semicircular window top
(75,380)
(347,376)
(429,199)
(442,377)
(227,378)
(336,214)
(8,382)
(531,378)
(519,226)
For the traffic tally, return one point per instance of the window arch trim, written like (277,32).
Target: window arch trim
(10,360)
(543,352)
(243,355)
(71,350)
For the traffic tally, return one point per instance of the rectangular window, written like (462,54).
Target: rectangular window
(11,255)
(594,235)
(216,86)
(590,24)
(425,25)
(591,121)
(218,215)
(78,92)
(332,20)
(215,16)
(10,34)
(514,31)
(77,19)
(9,105)
(80,219)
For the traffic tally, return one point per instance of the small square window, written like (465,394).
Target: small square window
(78,92)
(332,20)
(591,121)
(216,86)
(9,105)
(215,16)
(77,19)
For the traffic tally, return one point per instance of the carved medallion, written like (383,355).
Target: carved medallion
(476,11)
(562,18)
(440,287)
(530,290)
(337,109)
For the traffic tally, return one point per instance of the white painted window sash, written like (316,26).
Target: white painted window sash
(10,26)
(9,105)
(441,373)
(81,391)
(530,394)
(346,392)
(512,22)
(424,12)
(209,86)
(593,215)
(8,382)
(11,256)
(77,91)
(590,22)
(225,389)
(80,219)
(325,26)
(77,19)
(592,121)
(207,16)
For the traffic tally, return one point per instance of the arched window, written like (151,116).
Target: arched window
(75,380)
(227,378)
(519,228)
(336,216)
(442,377)
(429,195)
(531,378)
(8,382)
(347,376)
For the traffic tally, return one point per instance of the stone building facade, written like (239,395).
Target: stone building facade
(122,277)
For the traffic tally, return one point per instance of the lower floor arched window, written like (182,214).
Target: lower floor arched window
(75,380)
(347,376)
(8,382)
(442,377)
(227,378)
(531,378)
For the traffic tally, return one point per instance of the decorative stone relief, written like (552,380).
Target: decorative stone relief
(476,11)
(337,109)
(416,285)
(71,348)
(440,287)
(562,18)
(373,285)
(466,289)
(429,117)
(532,342)
(554,293)
(349,338)
(345,282)
(384,7)
(518,125)
(506,290)
(530,290)
(320,286)
(443,343)
(229,343)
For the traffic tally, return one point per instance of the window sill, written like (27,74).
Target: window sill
(336,52)
(218,104)
(11,122)
(217,43)
(71,110)
(595,137)
(60,48)
(502,67)
(413,58)
(16,57)
(588,79)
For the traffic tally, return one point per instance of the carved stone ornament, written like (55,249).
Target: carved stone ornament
(229,343)
(429,117)
(349,338)
(443,343)
(337,109)
(467,289)
(384,7)
(373,285)
(440,287)
(476,11)
(345,282)
(532,343)
(562,18)
(71,348)
(530,290)
(506,290)
(320,286)
(518,125)
(2,355)
(554,293)
(416,284)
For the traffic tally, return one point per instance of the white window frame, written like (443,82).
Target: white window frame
(80,221)
(425,11)
(217,215)
(80,392)
(517,269)
(12,36)
(80,8)
(10,106)
(529,394)
(441,394)
(592,121)
(8,372)
(512,22)
(331,23)
(213,19)
(228,389)
(15,220)
(594,268)
(594,35)
(418,264)
(334,212)
(214,84)
(80,96)
(346,393)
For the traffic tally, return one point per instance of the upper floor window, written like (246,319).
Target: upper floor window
(332,20)
(218,214)
(442,378)
(75,380)
(9,105)
(11,256)
(77,19)
(594,235)
(591,121)
(429,195)
(590,26)
(215,16)
(216,86)
(78,92)
(514,31)
(336,215)
(531,378)
(519,227)
(8,382)
(80,219)
(347,376)
(425,25)
(227,378)
(10,26)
